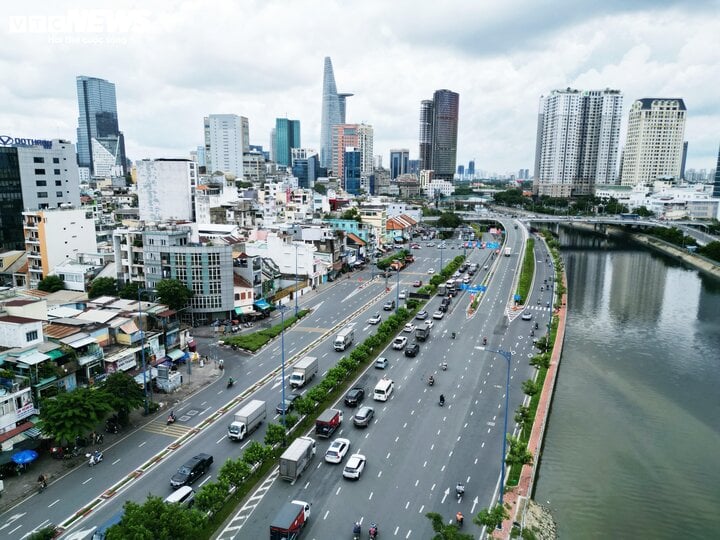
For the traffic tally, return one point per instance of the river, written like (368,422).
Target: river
(632,446)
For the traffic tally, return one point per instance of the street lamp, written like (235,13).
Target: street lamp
(282,360)
(507,355)
(441,257)
(142,351)
(397,291)
(296,279)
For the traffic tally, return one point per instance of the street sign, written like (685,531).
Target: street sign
(517,297)
(492,245)
(477,289)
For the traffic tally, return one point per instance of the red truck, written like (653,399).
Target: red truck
(328,422)
(409,259)
(290,520)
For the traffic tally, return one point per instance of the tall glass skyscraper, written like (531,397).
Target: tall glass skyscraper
(716,184)
(332,114)
(438,133)
(287,137)
(399,162)
(425,136)
(97,120)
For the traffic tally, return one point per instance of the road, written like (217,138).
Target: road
(351,300)
(417,451)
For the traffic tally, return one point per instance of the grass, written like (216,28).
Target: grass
(527,272)
(256,340)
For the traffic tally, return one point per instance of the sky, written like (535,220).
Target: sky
(175,62)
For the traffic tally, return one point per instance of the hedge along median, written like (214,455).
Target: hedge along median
(256,340)
(384,263)
(527,272)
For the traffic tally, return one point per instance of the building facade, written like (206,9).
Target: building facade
(286,137)
(655,137)
(399,162)
(352,171)
(332,113)
(577,141)
(166,189)
(305,166)
(716,183)
(446,109)
(425,134)
(227,139)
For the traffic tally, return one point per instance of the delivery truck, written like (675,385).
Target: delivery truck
(328,422)
(508,251)
(296,458)
(247,419)
(344,339)
(303,371)
(422,333)
(290,520)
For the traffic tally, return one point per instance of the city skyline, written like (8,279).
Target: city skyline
(501,61)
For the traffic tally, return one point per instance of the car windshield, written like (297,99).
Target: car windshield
(332,453)
(184,471)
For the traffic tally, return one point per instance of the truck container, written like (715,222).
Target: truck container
(247,419)
(296,458)
(508,251)
(441,290)
(422,333)
(290,520)
(344,339)
(303,371)
(328,422)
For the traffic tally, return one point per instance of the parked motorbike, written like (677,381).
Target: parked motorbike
(95,458)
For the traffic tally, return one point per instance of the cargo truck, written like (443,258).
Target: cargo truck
(247,419)
(290,520)
(328,422)
(508,251)
(344,339)
(441,290)
(296,458)
(303,371)
(422,333)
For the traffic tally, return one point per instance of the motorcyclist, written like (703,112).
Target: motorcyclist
(460,488)
(373,530)
(442,399)
(42,481)
(459,517)
(230,382)
(444,366)
(453,335)
(431,380)
(485,341)
(356,528)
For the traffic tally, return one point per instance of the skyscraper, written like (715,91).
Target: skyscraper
(399,162)
(425,135)
(471,168)
(654,146)
(716,184)
(446,107)
(332,114)
(577,141)
(359,136)
(226,140)
(684,159)
(98,120)
(287,137)
(352,170)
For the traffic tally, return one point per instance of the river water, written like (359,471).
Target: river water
(632,447)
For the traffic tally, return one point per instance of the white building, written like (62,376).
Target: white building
(577,141)
(166,188)
(443,187)
(227,139)
(53,237)
(216,193)
(105,160)
(20,332)
(49,176)
(284,255)
(654,147)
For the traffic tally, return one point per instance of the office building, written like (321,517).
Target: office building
(399,162)
(56,236)
(332,114)
(683,162)
(654,144)
(39,176)
(446,105)
(227,139)
(413,166)
(305,166)
(352,171)
(358,136)
(287,137)
(461,171)
(425,135)
(166,188)
(471,168)
(577,141)
(716,183)
(98,120)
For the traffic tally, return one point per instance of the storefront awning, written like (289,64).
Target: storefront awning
(80,342)
(244,310)
(262,304)
(176,354)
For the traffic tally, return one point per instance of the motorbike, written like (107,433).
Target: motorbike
(171,418)
(431,381)
(42,484)
(452,335)
(112,424)
(459,491)
(95,458)
(484,341)
(536,326)
(373,531)
(230,382)
(443,366)
(532,333)
(357,531)
(459,518)
(442,401)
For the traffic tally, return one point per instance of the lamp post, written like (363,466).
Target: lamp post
(296,279)
(507,355)
(441,257)
(397,291)
(142,352)
(282,360)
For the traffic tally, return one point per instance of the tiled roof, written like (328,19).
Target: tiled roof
(16,320)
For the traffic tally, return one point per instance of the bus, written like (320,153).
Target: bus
(630,217)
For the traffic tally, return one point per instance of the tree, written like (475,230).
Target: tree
(211,496)
(235,471)
(256,453)
(72,414)
(449,220)
(351,213)
(445,531)
(123,394)
(491,518)
(522,414)
(710,250)
(642,211)
(156,520)
(51,284)
(320,188)
(274,434)
(103,286)
(173,293)
(46,533)
(518,454)
(129,291)
(530,387)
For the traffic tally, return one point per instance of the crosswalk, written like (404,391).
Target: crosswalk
(173,430)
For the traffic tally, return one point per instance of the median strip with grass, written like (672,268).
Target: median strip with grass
(256,340)
(527,272)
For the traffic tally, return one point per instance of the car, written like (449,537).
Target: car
(446,300)
(527,315)
(399,342)
(443,308)
(389,305)
(354,396)
(431,244)
(193,469)
(429,324)
(409,328)
(337,450)
(375,319)
(457,275)
(431,270)
(466,280)
(364,416)
(486,267)
(421,315)
(287,405)
(412,349)
(402,295)
(417,283)
(381,363)
(354,467)
(415,246)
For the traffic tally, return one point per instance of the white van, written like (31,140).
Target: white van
(383,389)
(184,496)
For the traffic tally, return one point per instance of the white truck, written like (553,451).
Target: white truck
(344,339)
(247,419)
(296,458)
(508,251)
(303,371)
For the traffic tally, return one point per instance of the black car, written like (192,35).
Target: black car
(412,349)
(443,308)
(191,471)
(288,405)
(446,300)
(354,397)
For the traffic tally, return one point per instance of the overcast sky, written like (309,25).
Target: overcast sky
(174,62)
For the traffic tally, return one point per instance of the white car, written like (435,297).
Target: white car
(438,315)
(399,342)
(409,328)
(431,271)
(355,466)
(431,244)
(466,280)
(375,319)
(429,324)
(336,452)
(402,295)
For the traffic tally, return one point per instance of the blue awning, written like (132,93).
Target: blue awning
(262,304)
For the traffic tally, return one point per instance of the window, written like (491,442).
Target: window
(56,160)
(42,195)
(58,182)
(39,171)
(58,193)
(57,171)
(40,183)
(38,160)
(31,336)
